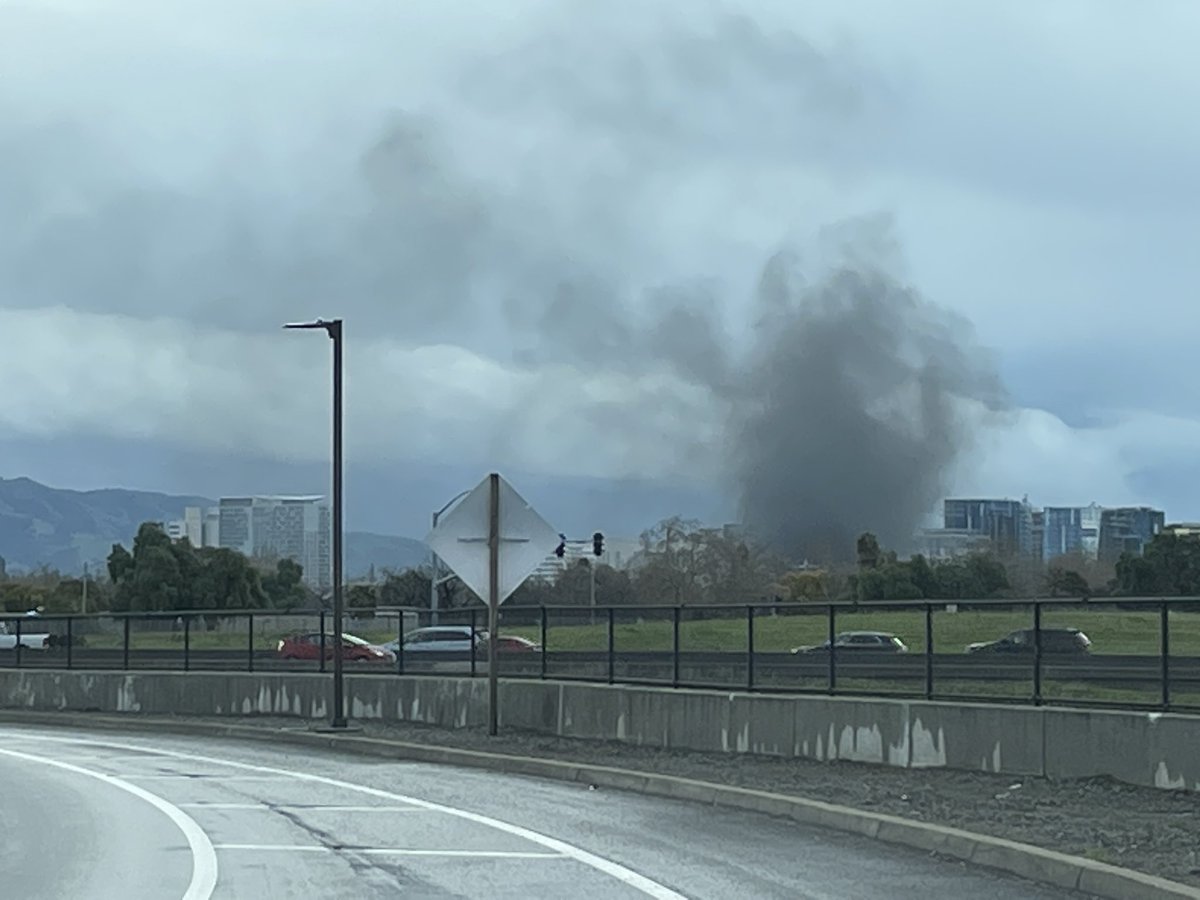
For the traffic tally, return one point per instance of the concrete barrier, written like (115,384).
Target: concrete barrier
(1152,749)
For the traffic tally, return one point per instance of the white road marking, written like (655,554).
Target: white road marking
(204,858)
(207,776)
(396,851)
(301,807)
(615,870)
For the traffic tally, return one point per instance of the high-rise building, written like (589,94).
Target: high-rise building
(1071,529)
(210,531)
(1008,524)
(1038,534)
(199,525)
(295,528)
(1183,529)
(1128,529)
(940,544)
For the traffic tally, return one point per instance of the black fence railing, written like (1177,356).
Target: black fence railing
(1119,652)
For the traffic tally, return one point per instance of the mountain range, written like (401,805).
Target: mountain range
(66,529)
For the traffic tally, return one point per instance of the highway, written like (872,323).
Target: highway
(135,817)
(776,670)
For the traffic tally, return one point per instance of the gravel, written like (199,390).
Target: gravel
(1150,830)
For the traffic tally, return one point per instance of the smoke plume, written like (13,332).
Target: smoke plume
(849,415)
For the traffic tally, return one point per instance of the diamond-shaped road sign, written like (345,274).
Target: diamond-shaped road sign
(461,540)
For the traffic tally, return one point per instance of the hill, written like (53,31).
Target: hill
(63,529)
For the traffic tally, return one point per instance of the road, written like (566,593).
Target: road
(130,817)
(775,670)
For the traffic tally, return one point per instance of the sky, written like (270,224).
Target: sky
(543,219)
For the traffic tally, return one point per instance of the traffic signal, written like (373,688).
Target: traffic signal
(598,544)
(561,550)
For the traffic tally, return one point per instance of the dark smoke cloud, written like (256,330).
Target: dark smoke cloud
(849,415)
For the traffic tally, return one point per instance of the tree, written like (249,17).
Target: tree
(682,562)
(227,580)
(408,588)
(120,564)
(667,573)
(535,592)
(1063,582)
(285,587)
(806,585)
(165,575)
(361,596)
(923,576)
(869,553)
(1169,566)
(891,581)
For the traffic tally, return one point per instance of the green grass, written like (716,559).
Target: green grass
(1118,631)
(1115,631)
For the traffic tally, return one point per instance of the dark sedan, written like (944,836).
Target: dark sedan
(1053,640)
(879,641)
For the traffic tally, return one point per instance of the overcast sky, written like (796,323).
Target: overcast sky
(502,198)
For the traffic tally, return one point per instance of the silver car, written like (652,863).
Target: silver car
(439,639)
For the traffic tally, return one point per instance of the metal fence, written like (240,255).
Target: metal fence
(1118,652)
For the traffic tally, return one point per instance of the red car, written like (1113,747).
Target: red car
(308,646)
(508,643)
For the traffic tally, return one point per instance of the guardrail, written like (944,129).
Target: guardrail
(1144,652)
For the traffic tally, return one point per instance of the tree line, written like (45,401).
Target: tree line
(159,574)
(680,562)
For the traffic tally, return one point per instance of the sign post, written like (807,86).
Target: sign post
(493,540)
(493,604)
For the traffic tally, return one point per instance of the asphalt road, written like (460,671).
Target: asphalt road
(113,816)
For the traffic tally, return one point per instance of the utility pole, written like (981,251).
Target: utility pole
(83,599)
(592,570)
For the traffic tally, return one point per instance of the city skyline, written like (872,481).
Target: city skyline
(1017,528)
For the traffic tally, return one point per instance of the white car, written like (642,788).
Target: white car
(30,640)
(439,639)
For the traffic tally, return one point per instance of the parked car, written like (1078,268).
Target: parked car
(308,646)
(1054,640)
(878,641)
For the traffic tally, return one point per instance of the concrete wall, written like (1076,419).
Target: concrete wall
(1142,748)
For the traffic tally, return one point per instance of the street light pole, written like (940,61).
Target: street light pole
(333,327)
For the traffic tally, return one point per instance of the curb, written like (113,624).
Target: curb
(1023,860)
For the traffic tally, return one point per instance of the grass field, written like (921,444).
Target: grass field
(1111,632)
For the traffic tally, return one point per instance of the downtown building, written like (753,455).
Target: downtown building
(1128,529)
(295,528)
(1071,530)
(1015,529)
(1007,525)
